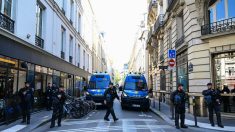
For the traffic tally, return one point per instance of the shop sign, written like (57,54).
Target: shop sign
(190,67)
(163,67)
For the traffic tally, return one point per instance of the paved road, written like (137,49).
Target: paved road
(129,121)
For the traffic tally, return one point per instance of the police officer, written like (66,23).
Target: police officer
(26,96)
(110,94)
(49,93)
(178,99)
(58,102)
(214,105)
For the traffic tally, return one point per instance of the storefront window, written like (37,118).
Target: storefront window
(182,70)
(78,86)
(224,70)
(22,79)
(56,78)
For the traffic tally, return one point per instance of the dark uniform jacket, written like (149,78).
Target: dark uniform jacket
(26,96)
(215,95)
(58,101)
(110,95)
(179,107)
(49,92)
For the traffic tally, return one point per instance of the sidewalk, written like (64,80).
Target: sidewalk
(37,119)
(202,122)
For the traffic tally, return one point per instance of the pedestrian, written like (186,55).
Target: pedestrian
(49,96)
(225,99)
(212,98)
(110,94)
(26,96)
(58,100)
(178,97)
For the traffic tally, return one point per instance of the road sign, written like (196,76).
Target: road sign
(171,54)
(171,62)
(163,67)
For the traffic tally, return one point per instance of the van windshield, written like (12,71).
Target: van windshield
(99,85)
(139,86)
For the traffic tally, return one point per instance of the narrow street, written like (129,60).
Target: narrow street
(129,121)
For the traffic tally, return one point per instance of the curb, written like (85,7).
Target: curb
(190,122)
(163,116)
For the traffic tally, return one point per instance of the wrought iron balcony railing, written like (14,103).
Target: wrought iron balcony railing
(62,55)
(179,42)
(158,23)
(6,23)
(219,26)
(70,59)
(39,42)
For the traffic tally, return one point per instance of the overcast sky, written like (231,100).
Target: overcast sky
(119,20)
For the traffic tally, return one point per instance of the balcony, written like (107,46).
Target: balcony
(6,23)
(152,4)
(39,42)
(62,55)
(158,23)
(70,59)
(179,42)
(222,26)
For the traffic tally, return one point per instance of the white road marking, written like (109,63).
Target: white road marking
(14,128)
(113,128)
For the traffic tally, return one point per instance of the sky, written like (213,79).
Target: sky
(119,20)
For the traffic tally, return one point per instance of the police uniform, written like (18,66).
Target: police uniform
(26,96)
(179,108)
(110,94)
(214,105)
(58,102)
(49,97)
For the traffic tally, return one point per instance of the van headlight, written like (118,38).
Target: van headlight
(147,97)
(87,93)
(124,94)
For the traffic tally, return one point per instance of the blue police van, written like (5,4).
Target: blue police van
(135,92)
(98,83)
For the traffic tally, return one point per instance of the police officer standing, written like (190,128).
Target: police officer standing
(214,104)
(110,94)
(49,96)
(58,102)
(178,99)
(26,96)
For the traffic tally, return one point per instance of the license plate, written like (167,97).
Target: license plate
(135,105)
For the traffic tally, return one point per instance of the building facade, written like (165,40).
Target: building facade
(202,33)
(52,44)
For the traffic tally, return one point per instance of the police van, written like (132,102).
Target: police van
(98,83)
(135,92)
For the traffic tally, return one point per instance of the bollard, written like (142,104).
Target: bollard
(194,111)
(159,102)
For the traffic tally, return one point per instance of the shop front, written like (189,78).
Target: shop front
(182,69)
(21,62)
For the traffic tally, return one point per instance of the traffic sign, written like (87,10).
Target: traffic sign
(171,54)
(171,62)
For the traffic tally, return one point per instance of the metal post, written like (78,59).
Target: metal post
(194,111)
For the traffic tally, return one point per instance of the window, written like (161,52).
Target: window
(62,39)
(79,23)
(231,10)
(39,10)
(87,62)
(78,55)
(169,39)
(63,4)
(180,26)
(71,10)
(71,46)
(84,59)
(220,10)
(6,7)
